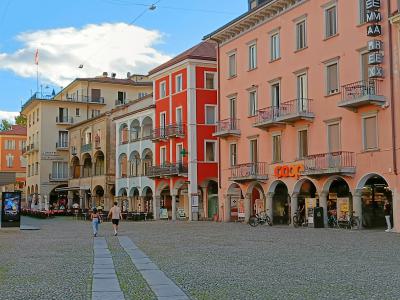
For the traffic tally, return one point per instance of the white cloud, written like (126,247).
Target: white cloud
(8,115)
(117,47)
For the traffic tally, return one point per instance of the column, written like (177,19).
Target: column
(80,202)
(357,205)
(293,207)
(204,202)
(46,203)
(247,207)
(156,207)
(323,202)
(174,207)
(268,205)
(226,208)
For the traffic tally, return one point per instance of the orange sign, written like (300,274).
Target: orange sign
(288,171)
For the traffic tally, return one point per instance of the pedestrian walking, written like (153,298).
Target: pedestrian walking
(388,212)
(96,220)
(115,214)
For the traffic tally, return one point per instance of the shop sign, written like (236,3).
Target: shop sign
(373,4)
(10,215)
(286,171)
(375,45)
(374,30)
(310,204)
(375,58)
(374,16)
(375,72)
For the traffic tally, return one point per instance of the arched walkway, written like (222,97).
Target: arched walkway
(134,201)
(134,164)
(212,200)
(147,127)
(147,161)
(339,200)
(165,203)
(57,200)
(135,131)
(87,165)
(98,196)
(280,203)
(304,196)
(99,163)
(122,165)
(123,133)
(147,195)
(234,204)
(375,191)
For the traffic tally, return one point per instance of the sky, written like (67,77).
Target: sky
(102,35)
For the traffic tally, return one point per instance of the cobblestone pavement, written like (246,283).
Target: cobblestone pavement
(235,261)
(52,263)
(206,260)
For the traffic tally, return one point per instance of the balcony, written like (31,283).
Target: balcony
(159,134)
(176,130)
(64,120)
(341,162)
(249,172)
(168,170)
(97,100)
(57,178)
(362,93)
(120,102)
(228,127)
(86,148)
(288,112)
(62,146)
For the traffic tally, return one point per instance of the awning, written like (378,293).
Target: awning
(71,188)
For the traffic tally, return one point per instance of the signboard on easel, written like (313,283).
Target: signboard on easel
(11,209)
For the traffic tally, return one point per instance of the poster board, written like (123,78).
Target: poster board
(343,208)
(310,204)
(241,213)
(163,214)
(11,209)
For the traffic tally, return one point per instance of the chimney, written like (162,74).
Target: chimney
(105,74)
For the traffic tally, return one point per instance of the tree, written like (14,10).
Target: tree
(5,125)
(20,120)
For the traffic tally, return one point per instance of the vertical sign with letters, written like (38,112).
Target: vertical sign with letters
(374,29)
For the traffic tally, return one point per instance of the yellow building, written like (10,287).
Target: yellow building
(48,121)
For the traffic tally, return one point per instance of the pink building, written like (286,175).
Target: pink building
(309,110)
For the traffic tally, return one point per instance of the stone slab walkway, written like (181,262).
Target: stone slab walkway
(105,284)
(162,286)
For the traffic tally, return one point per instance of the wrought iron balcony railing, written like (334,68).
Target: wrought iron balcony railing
(64,120)
(341,162)
(86,148)
(227,127)
(168,170)
(249,171)
(362,93)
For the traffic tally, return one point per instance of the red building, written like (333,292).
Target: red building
(186,153)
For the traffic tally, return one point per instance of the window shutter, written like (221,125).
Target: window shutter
(334,137)
(370,133)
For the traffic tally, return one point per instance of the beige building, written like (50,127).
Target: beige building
(49,155)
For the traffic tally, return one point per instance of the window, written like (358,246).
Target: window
(303,143)
(233,154)
(276,148)
(36,168)
(63,139)
(301,36)
(332,78)
(142,95)
(252,4)
(276,94)
(9,144)
(178,115)
(210,114)
(370,132)
(22,161)
(253,103)
(363,11)
(77,112)
(163,123)
(163,156)
(275,47)
(210,81)
(163,89)
(210,151)
(232,65)
(232,108)
(178,83)
(96,95)
(334,137)
(252,57)
(330,22)
(95,113)
(179,150)
(59,170)
(253,151)
(121,98)
(10,160)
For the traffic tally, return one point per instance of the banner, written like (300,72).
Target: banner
(343,207)
(310,204)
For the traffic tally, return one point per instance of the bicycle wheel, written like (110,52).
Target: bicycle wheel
(355,223)
(269,221)
(295,221)
(253,221)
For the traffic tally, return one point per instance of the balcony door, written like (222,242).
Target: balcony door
(163,123)
(334,146)
(179,150)
(253,156)
(302,93)
(232,108)
(179,119)
(63,114)
(163,156)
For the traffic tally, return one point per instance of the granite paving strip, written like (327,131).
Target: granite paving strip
(162,286)
(105,284)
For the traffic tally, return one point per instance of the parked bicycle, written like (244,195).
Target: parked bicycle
(332,219)
(260,218)
(350,221)
(298,219)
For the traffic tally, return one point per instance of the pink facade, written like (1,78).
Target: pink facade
(296,93)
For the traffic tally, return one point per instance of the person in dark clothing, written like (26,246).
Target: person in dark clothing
(388,211)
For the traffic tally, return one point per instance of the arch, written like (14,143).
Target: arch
(123,133)
(123,165)
(327,184)
(212,199)
(147,161)
(98,163)
(122,192)
(134,164)
(147,195)
(161,187)
(36,189)
(257,198)
(98,190)
(375,192)
(234,206)
(147,127)
(75,167)
(273,185)
(87,165)
(298,185)
(147,191)
(135,129)
(361,183)
(134,192)
(280,203)
(179,184)
(28,191)
(58,199)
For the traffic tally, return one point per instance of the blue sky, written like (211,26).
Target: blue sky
(172,28)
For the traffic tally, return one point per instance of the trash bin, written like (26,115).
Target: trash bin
(318,217)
